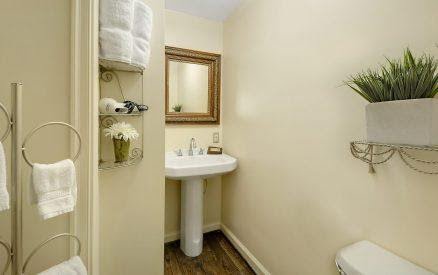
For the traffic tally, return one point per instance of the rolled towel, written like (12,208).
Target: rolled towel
(115,45)
(54,188)
(4,195)
(142,23)
(140,53)
(116,14)
(74,266)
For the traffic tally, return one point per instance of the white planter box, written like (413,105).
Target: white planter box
(412,122)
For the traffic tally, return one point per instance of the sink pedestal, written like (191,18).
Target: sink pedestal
(192,203)
(191,170)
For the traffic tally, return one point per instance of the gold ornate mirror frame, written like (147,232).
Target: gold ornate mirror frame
(213,61)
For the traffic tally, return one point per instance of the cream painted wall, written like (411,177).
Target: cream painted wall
(298,195)
(132,198)
(35,50)
(190,32)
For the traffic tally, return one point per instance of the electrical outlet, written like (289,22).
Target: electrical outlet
(216,137)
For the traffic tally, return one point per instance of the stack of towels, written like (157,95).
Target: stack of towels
(125,32)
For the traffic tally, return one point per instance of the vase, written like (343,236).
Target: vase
(121,149)
(411,122)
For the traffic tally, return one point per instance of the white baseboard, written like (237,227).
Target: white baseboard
(246,254)
(170,237)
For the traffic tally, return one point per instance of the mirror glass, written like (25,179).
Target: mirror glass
(192,90)
(188,87)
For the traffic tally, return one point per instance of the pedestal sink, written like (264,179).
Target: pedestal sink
(192,170)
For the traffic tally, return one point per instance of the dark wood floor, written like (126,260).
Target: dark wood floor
(218,257)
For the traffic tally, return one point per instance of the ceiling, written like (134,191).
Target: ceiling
(218,10)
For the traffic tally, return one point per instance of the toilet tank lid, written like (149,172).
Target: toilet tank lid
(366,258)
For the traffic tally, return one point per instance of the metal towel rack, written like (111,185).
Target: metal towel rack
(7,247)
(15,249)
(8,128)
(78,251)
(26,139)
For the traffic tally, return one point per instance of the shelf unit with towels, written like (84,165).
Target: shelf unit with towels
(109,73)
(14,129)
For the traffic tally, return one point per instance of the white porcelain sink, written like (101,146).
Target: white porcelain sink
(203,166)
(192,170)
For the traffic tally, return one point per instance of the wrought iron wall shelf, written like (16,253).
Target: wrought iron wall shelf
(131,114)
(109,75)
(423,159)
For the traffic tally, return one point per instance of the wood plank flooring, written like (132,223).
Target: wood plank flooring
(218,257)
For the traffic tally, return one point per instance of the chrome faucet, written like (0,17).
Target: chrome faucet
(192,146)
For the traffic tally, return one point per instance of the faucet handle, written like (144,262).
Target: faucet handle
(201,151)
(193,143)
(179,152)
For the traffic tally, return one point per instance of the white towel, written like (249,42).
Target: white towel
(143,17)
(115,45)
(141,32)
(125,32)
(140,53)
(4,195)
(116,14)
(54,187)
(74,266)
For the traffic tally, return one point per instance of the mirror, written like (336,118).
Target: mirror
(188,87)
(192,86)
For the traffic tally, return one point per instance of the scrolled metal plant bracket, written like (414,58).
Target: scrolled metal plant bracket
(107,121)
(136,153)
(368,152)
(108,75)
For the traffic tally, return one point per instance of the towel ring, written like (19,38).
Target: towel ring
(78,252)
(26,139)
(7,247)
(8,128)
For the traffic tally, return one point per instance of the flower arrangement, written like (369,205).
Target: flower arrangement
(121,133)
(121,130)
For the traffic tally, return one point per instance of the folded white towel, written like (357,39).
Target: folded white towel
(55,189)
(140,53)
(142,24)
(115,45)
(125,32)
(4,195)
(116,14)
(74,266)
(141,32)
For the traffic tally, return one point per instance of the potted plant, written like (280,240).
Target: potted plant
(121,133)
(402,109)
(177,108)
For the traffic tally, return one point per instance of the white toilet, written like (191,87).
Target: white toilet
(366,258)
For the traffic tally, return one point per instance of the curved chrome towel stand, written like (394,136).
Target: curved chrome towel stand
(8,129)
(7,247)
(78,252)
(26,139)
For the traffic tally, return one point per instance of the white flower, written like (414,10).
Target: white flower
(121,130)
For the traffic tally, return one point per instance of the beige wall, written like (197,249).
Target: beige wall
(298,195)
(186,31)
(35,50)
(132,199)
(190,32)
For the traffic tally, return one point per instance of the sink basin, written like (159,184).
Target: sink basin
(192,170)
(203,166)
